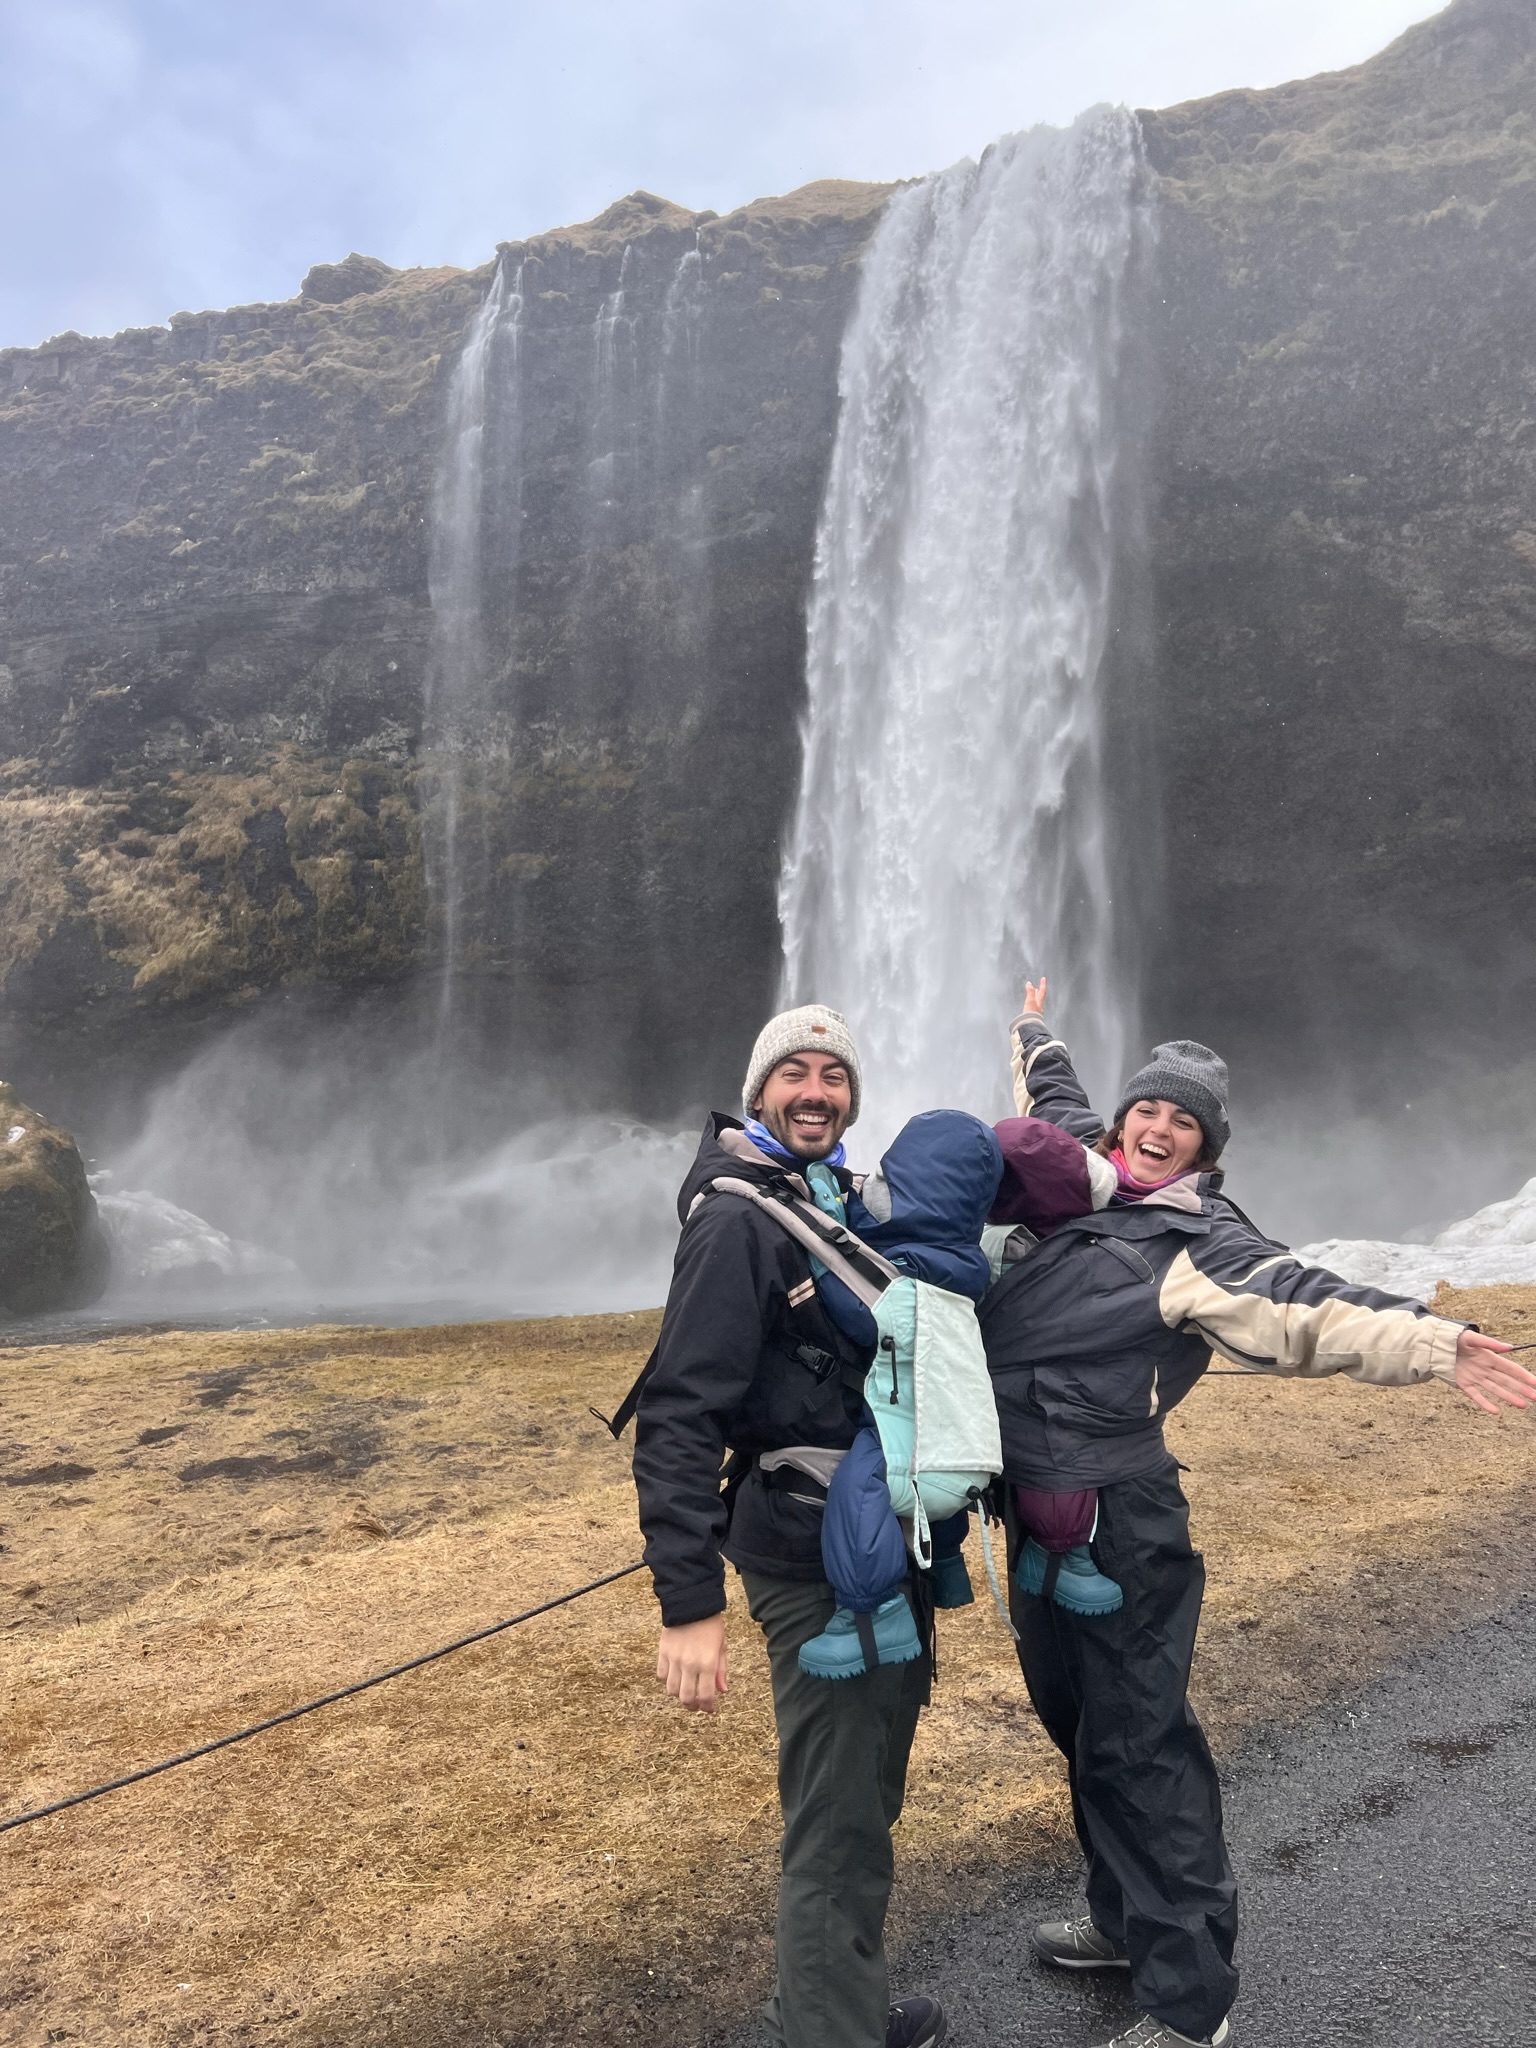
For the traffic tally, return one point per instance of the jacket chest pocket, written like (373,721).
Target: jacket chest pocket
(1128,1264)
(803,1393)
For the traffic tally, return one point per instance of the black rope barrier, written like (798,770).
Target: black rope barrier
(310,1706)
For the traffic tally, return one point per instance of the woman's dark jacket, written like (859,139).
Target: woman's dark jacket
(1107,1322)
(747,1362)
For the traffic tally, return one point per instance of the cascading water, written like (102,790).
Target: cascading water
(951,833)
(680,459)
(613,428)
(459,683)
(681,325)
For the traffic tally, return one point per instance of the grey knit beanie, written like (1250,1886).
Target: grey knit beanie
(1183,1071)
(811,1028)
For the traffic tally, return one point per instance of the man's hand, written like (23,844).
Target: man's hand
(1487,1377)
(691,1663)
(1034,997)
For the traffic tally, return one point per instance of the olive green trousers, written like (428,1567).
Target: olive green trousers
(843,1749)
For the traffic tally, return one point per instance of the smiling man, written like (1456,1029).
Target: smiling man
(749,1364)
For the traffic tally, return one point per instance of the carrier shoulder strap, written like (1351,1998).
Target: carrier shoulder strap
(624,1414)
(862,1270)
(859,1266)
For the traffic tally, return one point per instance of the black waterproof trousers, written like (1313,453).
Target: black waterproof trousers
(843,1749)
(1112,1692)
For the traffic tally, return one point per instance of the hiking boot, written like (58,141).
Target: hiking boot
(1080,1586)
(1151,2033)
(1077,1945)
(916,2023)
(950,1580)
(838,1653)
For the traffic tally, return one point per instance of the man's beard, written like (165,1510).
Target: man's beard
(779,1121)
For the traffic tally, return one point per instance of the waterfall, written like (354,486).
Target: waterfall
(613,379)
(459,676)
(951,832)
(680,460)
(681,320)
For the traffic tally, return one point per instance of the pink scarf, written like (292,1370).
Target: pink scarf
(1133,1190)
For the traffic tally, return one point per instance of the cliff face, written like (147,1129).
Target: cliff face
(1345,557)
(217,640)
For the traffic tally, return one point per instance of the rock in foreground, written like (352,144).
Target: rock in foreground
(52,1252)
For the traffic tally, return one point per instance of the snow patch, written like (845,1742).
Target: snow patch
(15,1133)
(1495,1247)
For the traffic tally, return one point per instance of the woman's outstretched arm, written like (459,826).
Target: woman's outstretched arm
(1045,1082)
(1263,1307)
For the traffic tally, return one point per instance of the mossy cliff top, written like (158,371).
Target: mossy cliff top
(1452,93)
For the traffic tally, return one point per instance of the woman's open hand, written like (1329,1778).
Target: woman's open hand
(1034,998)
(1487,1376)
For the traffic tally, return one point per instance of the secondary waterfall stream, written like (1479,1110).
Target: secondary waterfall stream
(457,711)
(951,834)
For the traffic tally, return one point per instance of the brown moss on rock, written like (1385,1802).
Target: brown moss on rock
(201,884)
(52,1251)
(332,283)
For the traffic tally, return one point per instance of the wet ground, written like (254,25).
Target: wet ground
(1385,1854)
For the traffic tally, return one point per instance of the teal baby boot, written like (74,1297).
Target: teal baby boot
(950,1580)
(1076,1584)
(889,1635)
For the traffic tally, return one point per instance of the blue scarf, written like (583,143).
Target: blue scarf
(765,1141)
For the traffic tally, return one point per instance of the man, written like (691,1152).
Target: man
(748,1362)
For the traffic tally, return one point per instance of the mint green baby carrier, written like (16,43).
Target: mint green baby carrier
(928,1389)
(931,1397)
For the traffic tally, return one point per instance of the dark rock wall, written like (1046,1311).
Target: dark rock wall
(1344,543)
(215,637)
(215,643)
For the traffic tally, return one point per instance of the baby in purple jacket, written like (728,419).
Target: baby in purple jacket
(1044,1184)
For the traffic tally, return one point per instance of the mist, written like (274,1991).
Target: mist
(343,1171)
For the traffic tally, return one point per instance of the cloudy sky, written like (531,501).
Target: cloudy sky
(167,154)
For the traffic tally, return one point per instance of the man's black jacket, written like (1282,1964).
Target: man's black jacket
(747,1361)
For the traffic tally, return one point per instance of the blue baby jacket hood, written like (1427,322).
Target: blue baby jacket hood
(926,1203)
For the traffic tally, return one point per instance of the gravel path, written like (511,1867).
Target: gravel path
(1385,1853)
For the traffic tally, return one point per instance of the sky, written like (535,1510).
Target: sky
(169,155)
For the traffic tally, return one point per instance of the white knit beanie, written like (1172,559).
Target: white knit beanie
(811,1028)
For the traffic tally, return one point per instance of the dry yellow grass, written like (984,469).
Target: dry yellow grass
(526,1839)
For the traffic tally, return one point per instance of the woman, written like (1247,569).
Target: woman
(1092,1335)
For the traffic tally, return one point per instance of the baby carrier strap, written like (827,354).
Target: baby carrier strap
(859,1266)
(624,1414)
(861,1269)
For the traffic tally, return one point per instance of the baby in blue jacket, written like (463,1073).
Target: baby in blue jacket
(945,1175)
(924,1209)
